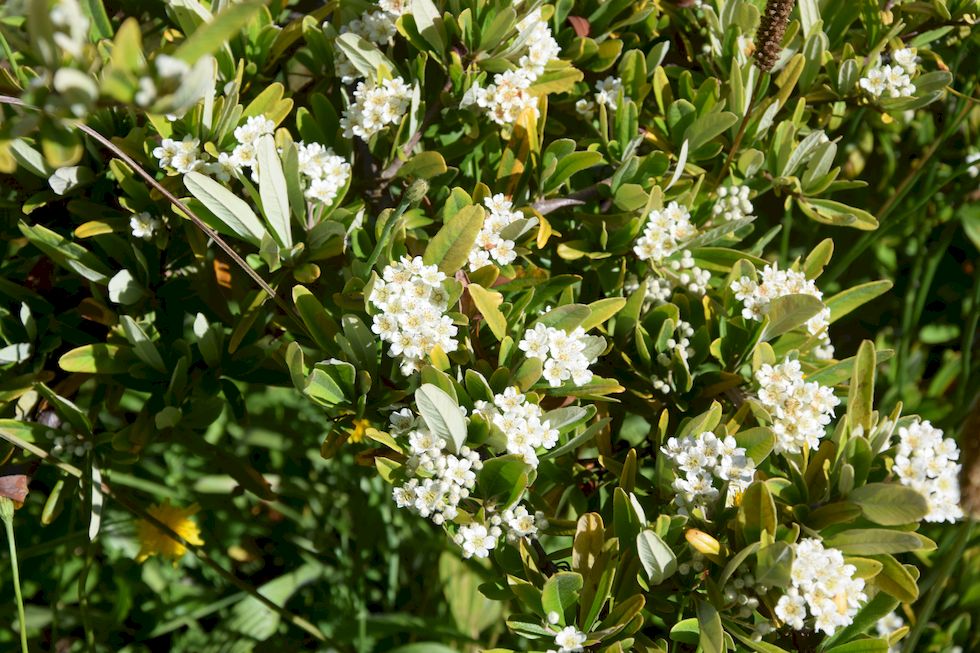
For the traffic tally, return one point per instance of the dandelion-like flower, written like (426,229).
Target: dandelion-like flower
(154,541)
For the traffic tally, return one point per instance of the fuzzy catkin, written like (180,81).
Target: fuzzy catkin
(772,27)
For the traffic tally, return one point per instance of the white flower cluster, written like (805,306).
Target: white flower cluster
(412,304)
(707,462)
(800,410)
(377,26)
(689,275)
(245,154)
(180,156)
(569,640)
(508,97)
(324,172)
(376,107)
(170,70)
(823,586)
(521,423)
(478,540)
(733,203)
(666,231)
(606,93)
(926,462)
(490,247)
(143,225)
(71,26)
(541,44)
(739,591)
(887,625)
(438,480)
(757,296)
(563,354)
(893,80)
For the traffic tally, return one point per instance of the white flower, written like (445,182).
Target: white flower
(324,172)
(71,26)
(411,317)
(585,107)
(703,464)
(570,640)
(607,91)
(887,625)
(541,44)
(171,68)
(183,156)
(563,354)
(972,160)
(800,410)
(507,98)
(892,80)
(376,107)
(143,225)
(926,462)
(477,541)
(666,231)
(490,246)
(823,585)
(254,128)
(733,203)
(757,296)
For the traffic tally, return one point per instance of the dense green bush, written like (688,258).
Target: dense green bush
(479,325)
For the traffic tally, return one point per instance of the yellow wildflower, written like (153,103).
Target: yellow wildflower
(153,541)
(357,434)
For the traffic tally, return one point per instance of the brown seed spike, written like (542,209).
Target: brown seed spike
(772,28)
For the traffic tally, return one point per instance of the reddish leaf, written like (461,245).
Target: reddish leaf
(580,25)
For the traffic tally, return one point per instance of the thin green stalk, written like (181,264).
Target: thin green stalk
(969,334)
(7,513)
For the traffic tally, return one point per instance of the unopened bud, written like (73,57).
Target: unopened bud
(416,192)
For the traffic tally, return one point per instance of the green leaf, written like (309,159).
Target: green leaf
(145,350)
(890,504)
(321,327)
(874,541)
(124,289)
(757,512)
(450,248)
(774,565)
(503,479)
(566,317)
(836,213)
(228,208)
(69,255)
(429,23)
(895,579)
(569,165)
(272,190)
(97,359)
(561,592)
(860,397)
(707,127)
(847,300)
(657,559)
(442,415)
(423,165)
(363,55)
(211,36)
(789,312)
(757,442)
(488,303)
(602,310)
(711,637)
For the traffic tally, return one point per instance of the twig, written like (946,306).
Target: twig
(430,114)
